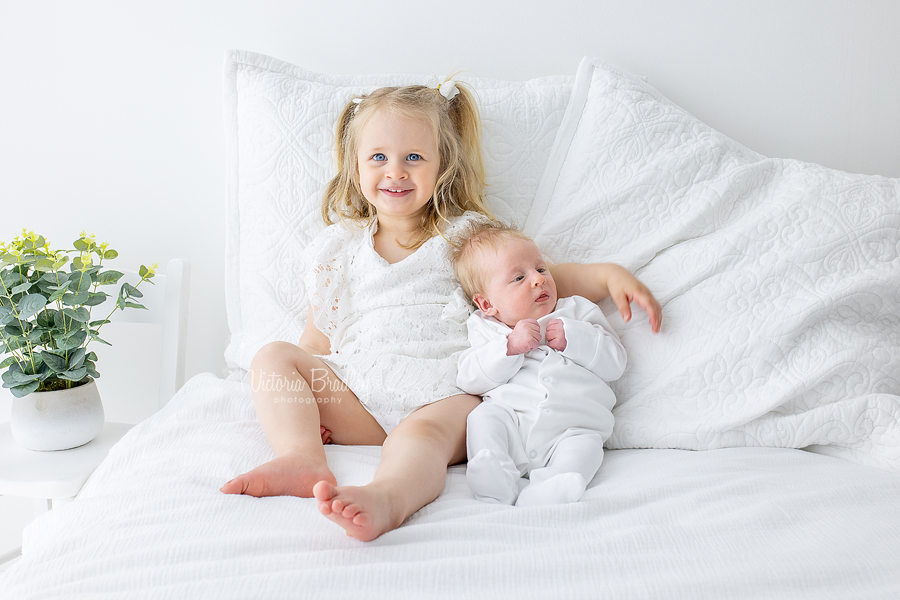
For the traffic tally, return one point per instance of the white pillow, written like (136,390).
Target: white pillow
(280,122)
(779,280)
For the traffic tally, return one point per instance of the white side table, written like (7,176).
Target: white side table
(51,478)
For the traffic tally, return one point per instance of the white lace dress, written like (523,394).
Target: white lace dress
(396,330)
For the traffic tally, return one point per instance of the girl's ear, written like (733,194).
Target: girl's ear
(484,305)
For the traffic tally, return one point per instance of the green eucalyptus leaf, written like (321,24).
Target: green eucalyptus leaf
(79,314)
(84,282)
(109,277)
(13,329)
(18,378)
(20,391)
(11,278)
(91,356)
(45,318)
(97,338)
(135,305)
(142,272)
(75,299)
(57,295)
(95,298)
(61,262)
(110,254)
(22,287)
(73,339)
(99,323)
(7,361)
(81,244)
(56,362)
(29,305)
(74,374)
(76,359)
(59,320)
(34,336)
(92,371)
(44,264)
(6,315)
(56,278)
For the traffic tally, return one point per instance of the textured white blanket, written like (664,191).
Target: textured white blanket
(735,523)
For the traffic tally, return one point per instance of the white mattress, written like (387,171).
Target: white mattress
(732,523)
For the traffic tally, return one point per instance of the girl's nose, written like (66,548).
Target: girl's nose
(395,171)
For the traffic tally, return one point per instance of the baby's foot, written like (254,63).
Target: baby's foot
(489,481)
(559,489)
(363,512)
(287,475)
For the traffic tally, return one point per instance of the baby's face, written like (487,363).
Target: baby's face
(520,285)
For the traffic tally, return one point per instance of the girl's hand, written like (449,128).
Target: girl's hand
(624,288)
(556,335)
(524,338)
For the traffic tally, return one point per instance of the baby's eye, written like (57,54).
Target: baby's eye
(519,278)
(414,157)
(542,270)
(379,157)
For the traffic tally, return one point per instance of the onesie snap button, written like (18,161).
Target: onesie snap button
(533,454)
(545,379)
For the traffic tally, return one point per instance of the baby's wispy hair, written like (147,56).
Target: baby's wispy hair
(467,251)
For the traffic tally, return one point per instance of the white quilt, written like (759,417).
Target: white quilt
(735,523)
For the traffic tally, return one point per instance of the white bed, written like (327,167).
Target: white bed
(780,285)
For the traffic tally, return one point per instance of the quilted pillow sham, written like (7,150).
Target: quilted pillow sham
(779,280)
(279,121)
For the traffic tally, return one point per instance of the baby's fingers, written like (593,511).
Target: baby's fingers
(623,303)
(646,301)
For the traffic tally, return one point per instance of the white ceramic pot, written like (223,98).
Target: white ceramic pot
(57,420)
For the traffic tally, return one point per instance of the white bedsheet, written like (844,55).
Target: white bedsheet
(735,523)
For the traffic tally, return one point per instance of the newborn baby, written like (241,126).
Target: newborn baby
(541,365)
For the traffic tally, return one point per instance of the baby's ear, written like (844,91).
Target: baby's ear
(484,305)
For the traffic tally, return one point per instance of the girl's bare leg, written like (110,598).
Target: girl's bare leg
(295,394)
(414,460)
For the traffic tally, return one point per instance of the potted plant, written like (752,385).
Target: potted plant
(46,326)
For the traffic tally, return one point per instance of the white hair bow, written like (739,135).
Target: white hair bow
(447,88)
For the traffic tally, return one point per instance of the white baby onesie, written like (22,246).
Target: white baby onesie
(545,413)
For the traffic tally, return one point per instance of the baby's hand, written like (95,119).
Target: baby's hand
(556,335)
(524,338)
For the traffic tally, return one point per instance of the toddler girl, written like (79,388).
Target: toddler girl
(376,364)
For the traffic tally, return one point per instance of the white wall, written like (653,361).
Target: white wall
(111,120)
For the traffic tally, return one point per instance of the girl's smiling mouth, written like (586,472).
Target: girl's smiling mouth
(395,192)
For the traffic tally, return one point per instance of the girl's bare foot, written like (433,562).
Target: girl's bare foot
(287,475)
(364,512)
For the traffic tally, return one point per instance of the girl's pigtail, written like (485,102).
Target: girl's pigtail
(342,186)
(470,180)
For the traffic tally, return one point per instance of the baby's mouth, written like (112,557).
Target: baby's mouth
(543,297)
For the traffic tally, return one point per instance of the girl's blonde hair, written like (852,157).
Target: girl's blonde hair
(457,130)
(467,252)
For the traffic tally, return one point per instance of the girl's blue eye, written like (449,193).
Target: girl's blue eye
(414,157)
(519,278)
(379,157)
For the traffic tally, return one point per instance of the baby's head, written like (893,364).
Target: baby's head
(504,273)
(409,150)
